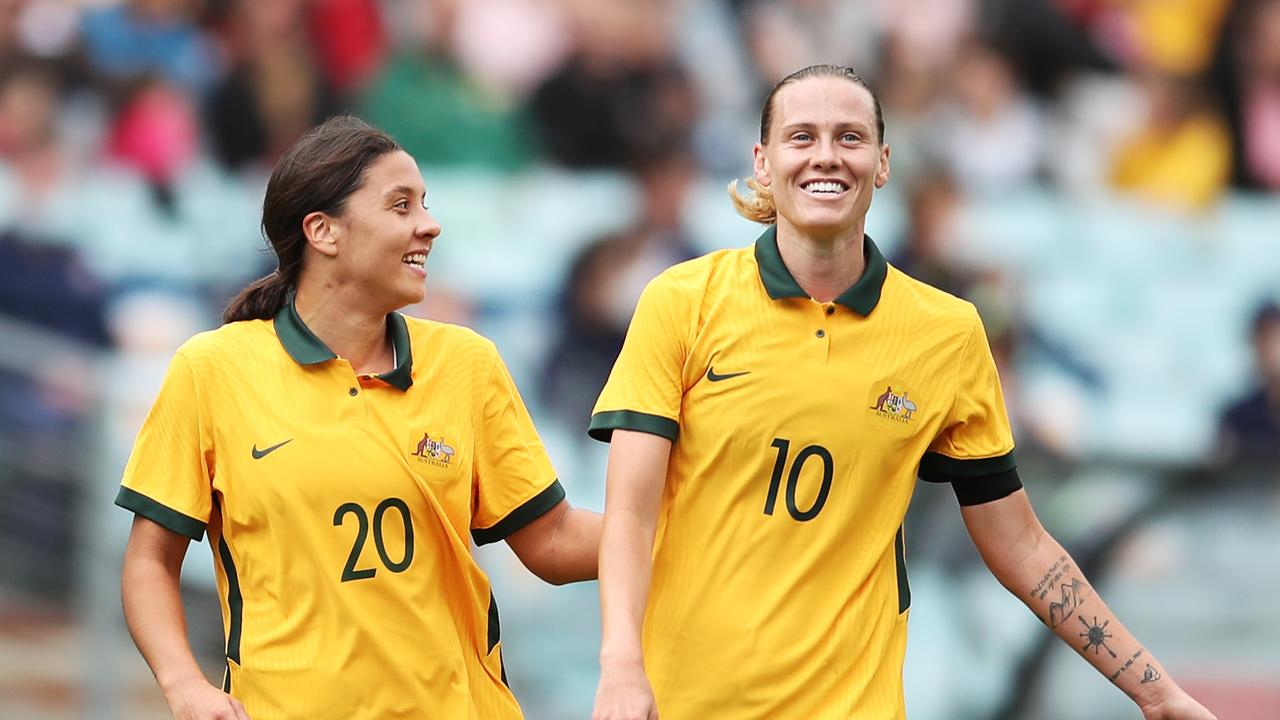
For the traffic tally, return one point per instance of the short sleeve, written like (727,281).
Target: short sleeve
(514,481)
(645,387)
(975,439)
(168,478)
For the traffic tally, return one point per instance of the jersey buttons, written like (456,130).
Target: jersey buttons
(353,392)
(821,333)
(831,309)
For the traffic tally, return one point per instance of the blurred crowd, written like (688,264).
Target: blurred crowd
(129,127)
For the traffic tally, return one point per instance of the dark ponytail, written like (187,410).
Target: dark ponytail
(260,300)
(317,174)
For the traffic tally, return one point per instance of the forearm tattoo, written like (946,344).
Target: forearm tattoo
(1069,595)
(1096,636)
(1128,663)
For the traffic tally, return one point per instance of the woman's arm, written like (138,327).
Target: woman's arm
(149,590)
(561,546)
(1035,568)
(636,475)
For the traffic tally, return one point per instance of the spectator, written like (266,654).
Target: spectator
(1050,40)
(593,321)
(621,96)
(438,112)
(1250,427)
(1181,157)
(909,91)
(45,28)
(1247,76)
(156,133)
(29,146)
(349,41)
(136,38)
(1177,37)
(932,204)
(49,287)
(605,281)
(783,35)
(534,35)
(990,133)
(274,91)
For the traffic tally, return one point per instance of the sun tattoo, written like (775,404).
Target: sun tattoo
(1096,636)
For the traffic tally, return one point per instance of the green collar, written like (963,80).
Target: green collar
(307,349)
(861,297)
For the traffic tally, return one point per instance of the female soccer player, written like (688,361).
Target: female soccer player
(342,457)
(769,413)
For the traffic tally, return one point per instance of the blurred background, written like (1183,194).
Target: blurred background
(1101,177)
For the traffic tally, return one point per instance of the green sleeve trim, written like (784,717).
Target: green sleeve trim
(603,424)
(162,515)
(972,491)
(534,508)
(935,467)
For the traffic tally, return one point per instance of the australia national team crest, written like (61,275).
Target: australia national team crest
(891,401)
(434,451)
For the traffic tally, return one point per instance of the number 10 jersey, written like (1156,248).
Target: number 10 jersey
(779,584)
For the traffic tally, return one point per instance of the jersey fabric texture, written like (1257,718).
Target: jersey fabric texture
(779,583)
(341,508)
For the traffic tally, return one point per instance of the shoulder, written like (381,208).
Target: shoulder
(907,294)
(234,342)
(434,331)
(931,316)
(431,338)
(693,278)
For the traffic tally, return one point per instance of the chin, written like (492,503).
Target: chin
(826,225)
(406,296)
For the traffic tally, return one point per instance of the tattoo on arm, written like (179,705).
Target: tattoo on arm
(1052,576)
(1070,596)
(1129,663)
(1151,674)
(1096,636)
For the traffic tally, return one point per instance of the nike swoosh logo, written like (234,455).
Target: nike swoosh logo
(713,377)
(259,454)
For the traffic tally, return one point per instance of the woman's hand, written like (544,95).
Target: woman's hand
(1179,706)
(196,699)
(624,694)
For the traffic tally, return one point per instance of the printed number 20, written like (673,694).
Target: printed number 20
(362,533)
(793,478)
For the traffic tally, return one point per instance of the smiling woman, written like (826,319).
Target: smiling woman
(759,206)
(342,458)
(769,414)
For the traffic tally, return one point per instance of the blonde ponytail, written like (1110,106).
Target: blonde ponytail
(758,207)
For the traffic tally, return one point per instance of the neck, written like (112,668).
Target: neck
(350,329)
(824,267)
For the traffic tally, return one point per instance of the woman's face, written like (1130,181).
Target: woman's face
(382,238)
(824,158)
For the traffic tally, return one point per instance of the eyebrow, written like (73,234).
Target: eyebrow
(403,190)
(856,125)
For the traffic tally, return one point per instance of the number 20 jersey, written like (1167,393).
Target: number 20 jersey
(779,583)
(341,508)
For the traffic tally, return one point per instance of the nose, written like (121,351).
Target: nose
(428,226)
(824,154)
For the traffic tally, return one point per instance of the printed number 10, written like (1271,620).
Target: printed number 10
(793,478)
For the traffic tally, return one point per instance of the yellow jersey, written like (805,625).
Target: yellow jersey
(341,510)
(779,584)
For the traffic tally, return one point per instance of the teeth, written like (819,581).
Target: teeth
(824,186)
(416,259)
